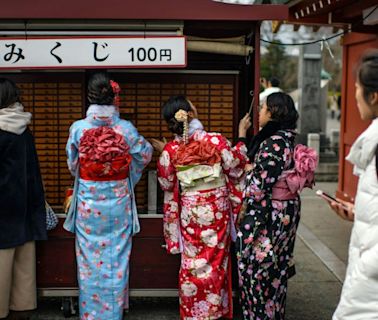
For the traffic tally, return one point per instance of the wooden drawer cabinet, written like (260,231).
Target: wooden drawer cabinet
(57,100)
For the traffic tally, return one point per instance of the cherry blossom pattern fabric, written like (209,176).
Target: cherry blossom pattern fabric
(266,235)
(197,224)
(106,217)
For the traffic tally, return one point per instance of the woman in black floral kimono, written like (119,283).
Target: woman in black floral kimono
(271,209)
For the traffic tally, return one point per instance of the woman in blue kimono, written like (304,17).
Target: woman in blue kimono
(107,155)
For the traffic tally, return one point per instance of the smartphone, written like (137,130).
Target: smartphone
(329,198)
(251,107)
(326,196)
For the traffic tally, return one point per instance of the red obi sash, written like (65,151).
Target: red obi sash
(115,169)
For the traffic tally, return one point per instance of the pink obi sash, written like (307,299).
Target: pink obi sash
(291,182)
(281,191)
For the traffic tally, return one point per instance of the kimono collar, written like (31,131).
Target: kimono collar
(102,111)
(102,115)
(194,126)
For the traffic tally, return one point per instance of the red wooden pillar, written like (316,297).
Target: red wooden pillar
(355,44)
(256,89)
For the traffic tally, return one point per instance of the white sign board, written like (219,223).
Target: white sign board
(93,52)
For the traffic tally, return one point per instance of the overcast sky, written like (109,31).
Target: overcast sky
(287,34)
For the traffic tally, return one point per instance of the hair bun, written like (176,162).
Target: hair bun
(175,126)
(100,90)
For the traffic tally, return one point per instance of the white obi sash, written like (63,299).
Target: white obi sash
(200,177)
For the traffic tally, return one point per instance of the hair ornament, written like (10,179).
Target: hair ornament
(116,90)
(182,116)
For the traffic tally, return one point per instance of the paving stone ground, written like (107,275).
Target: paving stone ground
(312,294)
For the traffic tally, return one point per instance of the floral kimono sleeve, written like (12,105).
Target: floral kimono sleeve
(168,182)
(140,151)
(268,166)
(234,160)
(72,148)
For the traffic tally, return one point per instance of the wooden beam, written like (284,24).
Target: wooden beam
(322,7)
(315,26)
(319,19)
(365,29)
(356,23)
(354,9)
(351,38)
(141,10)
(213,29)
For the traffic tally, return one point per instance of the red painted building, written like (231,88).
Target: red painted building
(218,78)
(359,21)
(220,73)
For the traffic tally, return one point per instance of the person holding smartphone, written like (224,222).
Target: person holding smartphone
(359,296)
(344,209)
(201,176)
(270,214)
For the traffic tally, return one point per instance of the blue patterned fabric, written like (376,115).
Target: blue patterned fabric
(106,219)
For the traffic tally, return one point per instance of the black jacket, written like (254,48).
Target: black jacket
(22,202)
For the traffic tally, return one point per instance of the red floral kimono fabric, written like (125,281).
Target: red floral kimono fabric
(201,222)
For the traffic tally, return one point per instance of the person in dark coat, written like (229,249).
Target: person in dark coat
(22,204)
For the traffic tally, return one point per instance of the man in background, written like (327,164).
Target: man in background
(270,86)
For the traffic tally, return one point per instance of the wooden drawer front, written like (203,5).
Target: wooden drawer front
(69,109)
(150,265)
(142,102)
(58,272)
(55,106)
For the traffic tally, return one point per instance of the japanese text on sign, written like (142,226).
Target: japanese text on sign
(111,52)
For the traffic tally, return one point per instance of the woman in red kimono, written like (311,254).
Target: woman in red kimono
(200,174)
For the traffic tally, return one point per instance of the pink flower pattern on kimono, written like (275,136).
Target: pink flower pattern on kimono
(104,223)
(267,232)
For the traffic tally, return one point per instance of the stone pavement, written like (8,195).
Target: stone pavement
(323,246)
(312,294)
